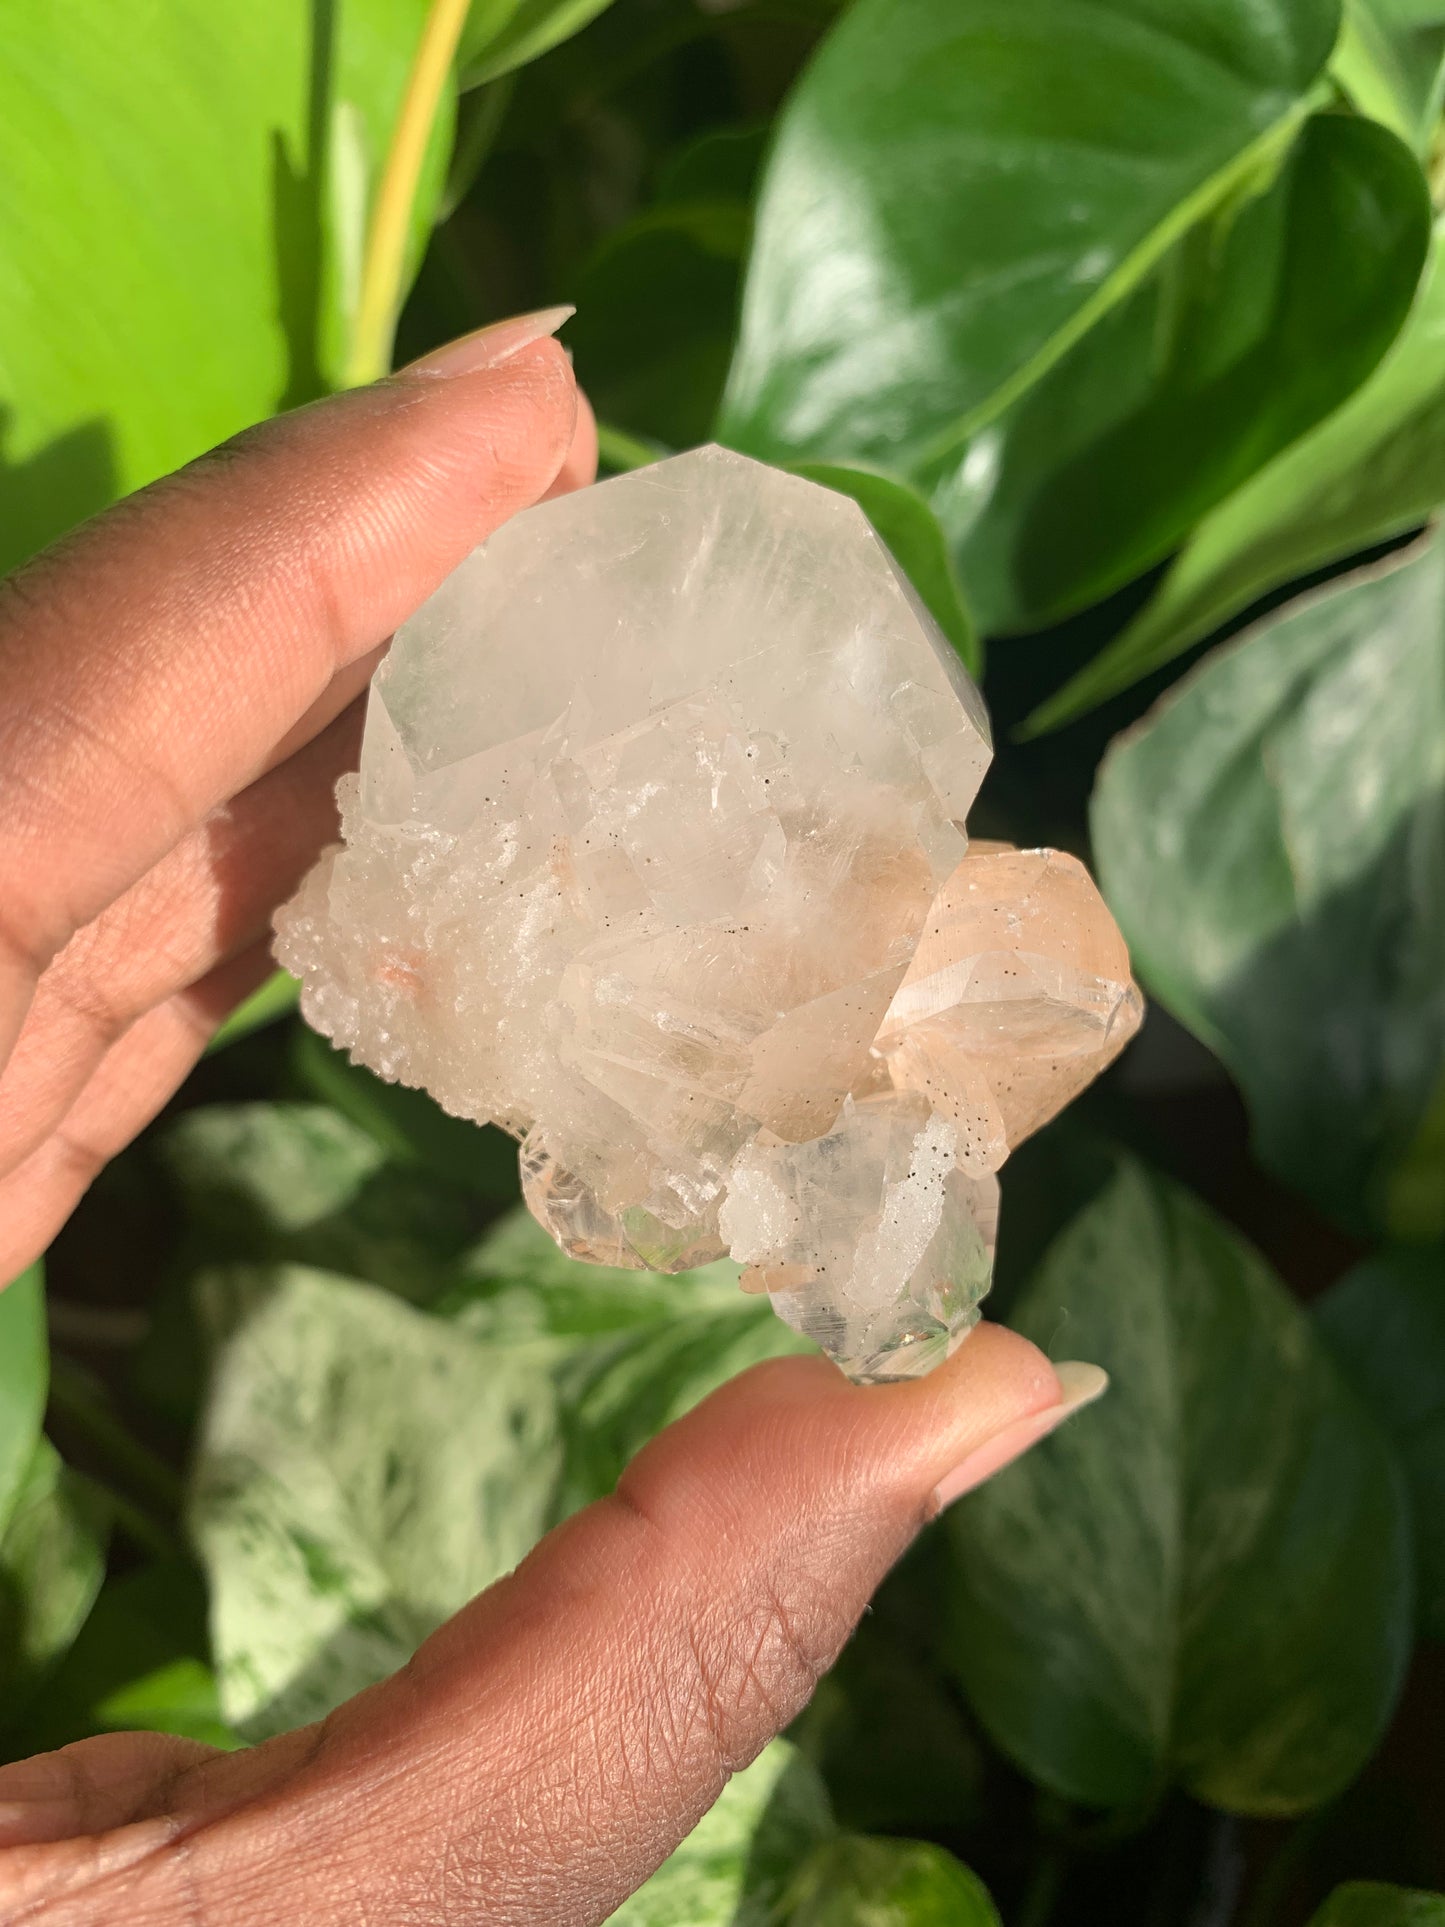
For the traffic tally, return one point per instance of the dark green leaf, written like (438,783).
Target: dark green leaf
(1373,470)
(656,308)
(1386,1322)
(24,1378)
(52,1560)
(910,529)
(720,165)
(1369,1903)
(854,1882)
(140,1663)
(1253,327)
(960,188)
(1206,1577)
(362,1471)
(889,1735)
(501,35)
(181,214)
(1272,841)
(735,1866)
(409,1125)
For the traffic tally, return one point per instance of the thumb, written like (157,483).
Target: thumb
(548,1747)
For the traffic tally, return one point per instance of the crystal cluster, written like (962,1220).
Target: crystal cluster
(656,859)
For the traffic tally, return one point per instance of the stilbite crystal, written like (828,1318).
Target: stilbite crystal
(656,858)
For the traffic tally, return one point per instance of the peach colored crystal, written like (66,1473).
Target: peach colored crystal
(656,858)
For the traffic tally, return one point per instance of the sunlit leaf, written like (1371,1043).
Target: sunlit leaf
(959,188)
(1253,327)
(182,210)
(1373,470)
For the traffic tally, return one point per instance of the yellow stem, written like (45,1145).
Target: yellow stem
(385,258)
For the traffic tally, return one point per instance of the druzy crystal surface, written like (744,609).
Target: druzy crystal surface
(656,858)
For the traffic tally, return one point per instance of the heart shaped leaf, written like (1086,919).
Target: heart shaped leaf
(1204,1578)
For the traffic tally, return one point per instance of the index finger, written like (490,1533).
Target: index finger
(150,663)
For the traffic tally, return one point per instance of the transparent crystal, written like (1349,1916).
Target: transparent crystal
(656,858)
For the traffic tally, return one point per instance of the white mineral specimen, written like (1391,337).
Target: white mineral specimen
(656,858)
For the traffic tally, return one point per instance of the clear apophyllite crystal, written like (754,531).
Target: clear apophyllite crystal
(656,858)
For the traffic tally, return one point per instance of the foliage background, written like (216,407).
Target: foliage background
(1125,320)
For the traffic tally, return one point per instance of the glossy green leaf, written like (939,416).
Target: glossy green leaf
(501,35)
(735,1867)
(1204,1578)
(1386,1322)
(910,529)
(300,1182)
(140,1663)
(1272,841)
(24,1380)
(409,1125)
(1373,470)
(1389,62)
(362,1470)
(181,217)
(1254,326)
(960,188)
(1370,1903)
(855,1882)
(52,1560)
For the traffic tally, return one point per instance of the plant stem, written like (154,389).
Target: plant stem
(385,258)
(618,450)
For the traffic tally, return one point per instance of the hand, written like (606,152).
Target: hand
(179,687)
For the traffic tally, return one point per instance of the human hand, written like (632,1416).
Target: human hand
(178,692)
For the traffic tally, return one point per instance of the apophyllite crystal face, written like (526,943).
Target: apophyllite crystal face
(656,858)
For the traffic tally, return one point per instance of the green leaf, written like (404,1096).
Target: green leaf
(1415,1190)
(854,1882)
(632,1350)
(409,1125)
(362,1470)
(1373,470)
(1369,1903)
(1254,326)
(1272,841)
(1386,1322)
(299,1182)
(960,188)
(24,1381)
(275,999)
(656,306)
(140,1663)
(734,1868)
(1389,62)
(201,241)
(52,1560)
(1206,1577)
(889,1735)
(501,35)
(910,530)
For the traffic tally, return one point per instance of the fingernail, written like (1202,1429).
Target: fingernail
(486,347)
(1081,1384)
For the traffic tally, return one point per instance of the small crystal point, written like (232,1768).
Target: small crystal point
(656,858)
